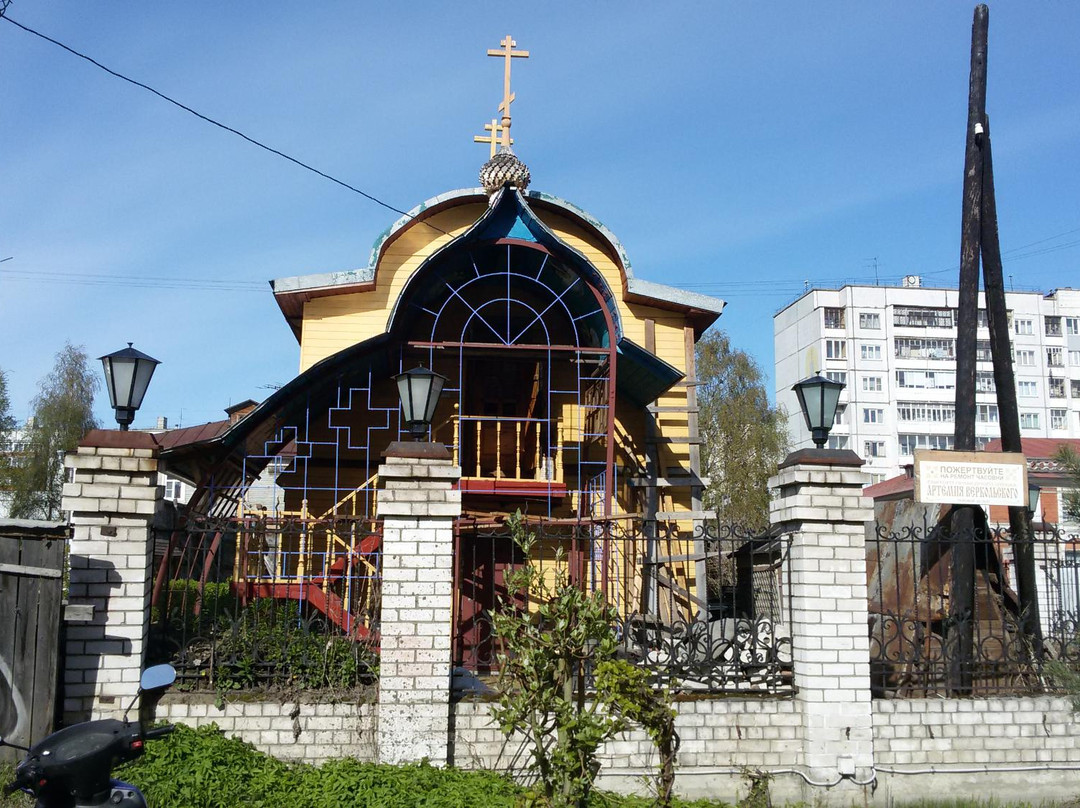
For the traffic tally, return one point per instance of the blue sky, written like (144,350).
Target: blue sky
(738,149)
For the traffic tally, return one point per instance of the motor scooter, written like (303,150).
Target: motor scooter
(72,768)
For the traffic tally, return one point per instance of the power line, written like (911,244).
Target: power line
(218,124)
(133,281)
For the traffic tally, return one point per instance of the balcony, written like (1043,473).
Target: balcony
(507,455)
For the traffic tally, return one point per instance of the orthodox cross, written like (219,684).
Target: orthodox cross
(507,52)
(494,128)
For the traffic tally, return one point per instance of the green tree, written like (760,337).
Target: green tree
(7,420)
(744,437)
(1069,459)
(7,425)
(62,414)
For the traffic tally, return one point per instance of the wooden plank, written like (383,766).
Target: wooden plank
(672,481)
(665,580)
(673,409)
(33,572)
(25,638)
(47,664)
(675,558)
(9,590)
(684,515)
(29,644)
(692,441)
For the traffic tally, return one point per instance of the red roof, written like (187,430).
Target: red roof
(191,434)
(893,488)
(1041,448)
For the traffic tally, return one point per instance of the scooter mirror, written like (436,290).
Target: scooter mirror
(158,677)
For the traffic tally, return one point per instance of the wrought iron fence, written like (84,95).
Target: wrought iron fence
(924,642)
(258,602)
(706,610)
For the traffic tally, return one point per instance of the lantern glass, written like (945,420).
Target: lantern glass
(419,390)
(1034,492)
(127,376)
(818,397)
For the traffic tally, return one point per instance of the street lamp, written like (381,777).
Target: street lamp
(818,397)
(419,390)
(127,375)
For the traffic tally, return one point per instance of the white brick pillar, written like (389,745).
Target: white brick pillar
(418,504)
(820,503)
(111,501)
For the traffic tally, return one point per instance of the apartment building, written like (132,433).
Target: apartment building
(895,349)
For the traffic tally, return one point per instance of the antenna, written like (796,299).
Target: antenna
(872,262)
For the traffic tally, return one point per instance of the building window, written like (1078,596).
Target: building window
(870,320)
(873,448)
(921,348)
(835,349)
(838,441)
(918,411)
(1055,358)
(1052,325)
(1075,385)
(873,415)
(1027,389)
(982,351)
(1056,387)
(870,351)
(1029,420)
(926,379)
(839,376)
(1023,327)
(1025,358)
(909,443)
(923,317)
(984,381)
(174,490)
(1074,358)
(841,412)
(981,320)
(1059,419)
(871,384)
(987,413)
(1072,326)
(834,318)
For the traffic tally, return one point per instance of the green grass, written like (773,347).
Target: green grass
(201,768)
(7,774)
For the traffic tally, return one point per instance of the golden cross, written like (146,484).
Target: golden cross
(507,52)
(495,128)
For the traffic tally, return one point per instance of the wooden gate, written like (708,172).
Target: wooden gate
(31,591)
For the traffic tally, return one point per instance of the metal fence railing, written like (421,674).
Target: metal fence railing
(924,643)
(263,602)
(703,610)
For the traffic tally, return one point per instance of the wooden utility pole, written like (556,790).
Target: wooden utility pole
(960,641)
(1004,381)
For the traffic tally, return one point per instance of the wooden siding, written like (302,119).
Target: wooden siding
(334,323)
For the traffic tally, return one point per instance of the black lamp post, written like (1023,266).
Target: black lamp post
(419,390)
(818,398)
(127,375)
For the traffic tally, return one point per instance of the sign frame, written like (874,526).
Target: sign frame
(948,477)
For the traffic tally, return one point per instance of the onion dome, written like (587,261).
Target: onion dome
(504,169)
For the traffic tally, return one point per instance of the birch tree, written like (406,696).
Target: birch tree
(744,437)
(63,411)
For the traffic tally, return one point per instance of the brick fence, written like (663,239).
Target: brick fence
(829,743)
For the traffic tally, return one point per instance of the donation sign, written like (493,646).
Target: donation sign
(970,478)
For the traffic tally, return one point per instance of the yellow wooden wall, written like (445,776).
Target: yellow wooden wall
(331,324)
